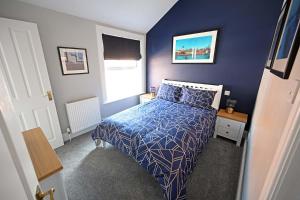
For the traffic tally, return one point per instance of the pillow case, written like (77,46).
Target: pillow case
(169,92)
(197,98)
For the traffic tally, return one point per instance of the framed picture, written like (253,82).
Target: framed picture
(288,45)
(195,48)
(277,35)
(73,60)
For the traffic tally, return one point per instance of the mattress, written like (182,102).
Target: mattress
(163,137)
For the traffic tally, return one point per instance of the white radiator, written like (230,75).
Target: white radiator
(83,114)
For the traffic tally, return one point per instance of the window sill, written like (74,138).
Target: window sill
(121,99)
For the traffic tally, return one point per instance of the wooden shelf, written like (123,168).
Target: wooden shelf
(237,116)
(45,160)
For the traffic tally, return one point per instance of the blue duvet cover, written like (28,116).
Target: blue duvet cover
(163,137)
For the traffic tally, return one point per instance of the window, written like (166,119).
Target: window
(122,63)
(123,78)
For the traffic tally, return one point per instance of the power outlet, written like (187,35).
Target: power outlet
(69,134)
(227,93)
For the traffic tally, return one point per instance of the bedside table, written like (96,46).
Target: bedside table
(146,98)
(230,126)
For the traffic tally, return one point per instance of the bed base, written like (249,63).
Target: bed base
(97,142)
(100,143)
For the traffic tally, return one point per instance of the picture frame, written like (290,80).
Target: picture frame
(73,60)
(195,48)
(277,34)
(288,44)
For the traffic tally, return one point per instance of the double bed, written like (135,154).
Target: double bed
(163,137)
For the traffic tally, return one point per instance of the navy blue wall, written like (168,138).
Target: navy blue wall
(246,29)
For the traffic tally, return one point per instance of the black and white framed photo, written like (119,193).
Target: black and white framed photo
(195,48)
(73,60)
(288,44)
(277,35)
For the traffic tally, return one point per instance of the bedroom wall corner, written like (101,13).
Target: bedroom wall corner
(58,29)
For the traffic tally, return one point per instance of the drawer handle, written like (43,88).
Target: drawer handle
(228,125)
(227,132)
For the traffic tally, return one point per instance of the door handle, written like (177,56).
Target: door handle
(49,95)
(39,195)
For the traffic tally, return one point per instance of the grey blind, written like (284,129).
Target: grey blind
(118,48)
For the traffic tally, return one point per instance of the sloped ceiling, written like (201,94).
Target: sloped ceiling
(135,15)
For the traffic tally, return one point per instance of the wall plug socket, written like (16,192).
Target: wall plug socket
(69,134)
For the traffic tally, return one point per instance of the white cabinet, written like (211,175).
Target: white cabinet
(144,98)
(231,126)
(47,165)
(55,181)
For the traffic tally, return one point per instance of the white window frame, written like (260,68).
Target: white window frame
(125,34)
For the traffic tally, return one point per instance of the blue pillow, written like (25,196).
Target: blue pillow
(169,92)
(197,98)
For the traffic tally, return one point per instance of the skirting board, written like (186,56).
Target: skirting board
(242,170)
(73,135)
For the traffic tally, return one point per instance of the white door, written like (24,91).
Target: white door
(23,64)
(18,178)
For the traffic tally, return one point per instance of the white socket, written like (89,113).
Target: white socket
(227,93)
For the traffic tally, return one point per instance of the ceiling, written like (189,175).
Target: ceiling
(135,15)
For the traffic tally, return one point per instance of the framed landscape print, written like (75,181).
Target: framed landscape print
(195,48)
(73,60)
(277,35)
(288,44)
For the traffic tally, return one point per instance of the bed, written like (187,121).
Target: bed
(163,137)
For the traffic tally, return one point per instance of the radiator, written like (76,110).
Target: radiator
(83,114)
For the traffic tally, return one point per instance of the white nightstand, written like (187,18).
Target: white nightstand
(146,98)
(231,126)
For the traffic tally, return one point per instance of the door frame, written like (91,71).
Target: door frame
(289,142)
(11,130)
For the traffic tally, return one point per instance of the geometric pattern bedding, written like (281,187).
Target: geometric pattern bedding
(169,92)
(163,137)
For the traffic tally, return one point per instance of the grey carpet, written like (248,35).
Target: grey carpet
(107,174)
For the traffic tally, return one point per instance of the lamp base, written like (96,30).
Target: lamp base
(229,110)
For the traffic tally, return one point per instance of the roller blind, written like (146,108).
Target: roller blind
(118,48)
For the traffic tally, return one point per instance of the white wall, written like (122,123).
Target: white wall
(289,189)
(58,29)
(272,109)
